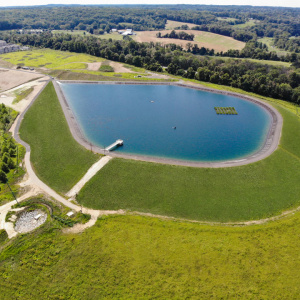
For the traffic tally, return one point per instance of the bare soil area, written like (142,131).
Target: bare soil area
(12,78)
(94,66)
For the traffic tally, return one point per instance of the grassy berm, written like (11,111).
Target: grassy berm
(254,191)
(130,257)
(57,158)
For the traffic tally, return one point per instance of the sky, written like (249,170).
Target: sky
(285,3)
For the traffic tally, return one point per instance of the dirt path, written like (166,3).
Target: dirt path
(89,174)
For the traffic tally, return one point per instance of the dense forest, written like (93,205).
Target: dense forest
(8,147)
(267,80)
(280,23)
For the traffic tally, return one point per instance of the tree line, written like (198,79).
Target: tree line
(274,81)
(8,147)
(177,35)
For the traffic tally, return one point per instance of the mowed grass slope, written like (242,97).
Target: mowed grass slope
(130,257)
(57,158)
(254,191)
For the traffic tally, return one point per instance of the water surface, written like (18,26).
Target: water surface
(144,116)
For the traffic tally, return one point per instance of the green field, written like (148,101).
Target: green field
(72,32)
(57,158)
(226,19)
(129,257)
(249,23)
(216,39)
(271,47)
(50,59)
(260,61)
(173,24)
(113,36)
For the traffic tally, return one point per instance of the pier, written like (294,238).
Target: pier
(116,144)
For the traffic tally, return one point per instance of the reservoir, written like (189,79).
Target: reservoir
(167,121)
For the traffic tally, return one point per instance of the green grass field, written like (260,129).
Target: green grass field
(50,59)
(129,257)
(57,158)
(249,23)
(173,24)
(260,61)
(72,32)
(114,36)
(216,39)
(271,47)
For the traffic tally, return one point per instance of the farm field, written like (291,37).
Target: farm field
(173,24)
(132,257)
(202,39)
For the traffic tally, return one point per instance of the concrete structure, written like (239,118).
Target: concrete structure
(116,144)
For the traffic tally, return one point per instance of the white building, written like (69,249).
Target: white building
(7,48)
(128,32)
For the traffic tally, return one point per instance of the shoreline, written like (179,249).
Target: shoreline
(270,145)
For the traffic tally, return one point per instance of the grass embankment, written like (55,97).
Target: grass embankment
(129,257)
(253,191)
(57,158)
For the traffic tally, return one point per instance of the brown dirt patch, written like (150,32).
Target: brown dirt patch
(12,78)
(119,67)
(94,66)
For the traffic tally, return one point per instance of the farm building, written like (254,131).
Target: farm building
(6,48)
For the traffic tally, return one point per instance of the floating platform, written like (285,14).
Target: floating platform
(225,111)
(113,146)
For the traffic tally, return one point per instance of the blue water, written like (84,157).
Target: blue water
(110,112)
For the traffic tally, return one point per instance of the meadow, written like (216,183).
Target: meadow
(249,23)
(50,59)
(261,61)
(132,257)
(271,47)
